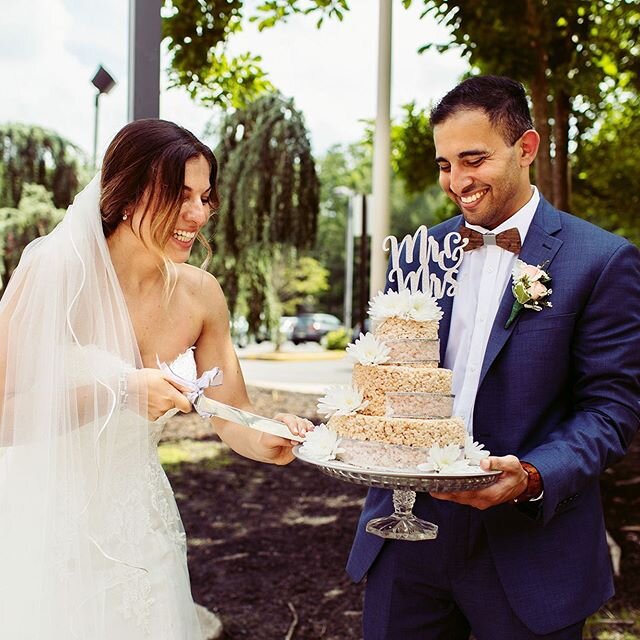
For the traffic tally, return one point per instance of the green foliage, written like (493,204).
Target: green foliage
(298,281)
(606,168)
(350,166)
(413,149)
(274,11)
(35,216)
(207,454)
(270,194)
(337,340)
(197,34)
(30,154)
(572,54)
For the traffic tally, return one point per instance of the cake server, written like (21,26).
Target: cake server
(213,408)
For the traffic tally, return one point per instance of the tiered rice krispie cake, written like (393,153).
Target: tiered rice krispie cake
(400,403)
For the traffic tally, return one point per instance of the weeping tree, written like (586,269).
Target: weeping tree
(34,216)
(33,155)
(269,194)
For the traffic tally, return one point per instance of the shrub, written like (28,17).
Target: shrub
(337,340)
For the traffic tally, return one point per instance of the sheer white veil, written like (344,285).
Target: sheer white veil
(69,443)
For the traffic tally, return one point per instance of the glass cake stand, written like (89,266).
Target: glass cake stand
(402,524)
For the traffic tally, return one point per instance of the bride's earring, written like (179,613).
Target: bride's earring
(125,216)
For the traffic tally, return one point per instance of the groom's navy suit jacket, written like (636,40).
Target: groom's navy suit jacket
(560,388)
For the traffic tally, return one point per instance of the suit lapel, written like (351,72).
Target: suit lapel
(539,247)
(446,302)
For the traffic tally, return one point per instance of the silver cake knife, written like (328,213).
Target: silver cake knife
(218,409)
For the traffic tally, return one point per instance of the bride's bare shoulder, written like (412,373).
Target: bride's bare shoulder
(202,292)
(198,282)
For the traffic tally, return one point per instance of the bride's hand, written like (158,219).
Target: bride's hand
(276,450)
(161,394)
(298,426)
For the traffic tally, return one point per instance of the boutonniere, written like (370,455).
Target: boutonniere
(530,288)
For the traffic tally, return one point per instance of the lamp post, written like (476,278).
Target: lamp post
(348,261)
(382,153)
(103,81)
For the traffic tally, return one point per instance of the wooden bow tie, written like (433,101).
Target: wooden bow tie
(508,239)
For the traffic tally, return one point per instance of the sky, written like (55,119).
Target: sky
(50,50)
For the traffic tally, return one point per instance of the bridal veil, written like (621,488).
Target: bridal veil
(70,443)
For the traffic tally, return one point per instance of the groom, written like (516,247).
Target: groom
(555,398)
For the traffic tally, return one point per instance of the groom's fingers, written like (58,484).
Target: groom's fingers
(508,486)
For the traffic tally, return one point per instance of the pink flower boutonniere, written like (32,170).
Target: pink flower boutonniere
(530,288)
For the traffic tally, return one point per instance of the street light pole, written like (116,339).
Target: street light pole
(348,268)
(95,130)
(381,154)
(364,267)
(348,255)
(103,81)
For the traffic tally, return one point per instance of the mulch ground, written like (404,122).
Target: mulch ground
(268,545)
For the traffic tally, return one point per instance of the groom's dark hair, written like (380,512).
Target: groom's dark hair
(503,100)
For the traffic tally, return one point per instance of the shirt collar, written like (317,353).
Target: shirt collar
(521,219)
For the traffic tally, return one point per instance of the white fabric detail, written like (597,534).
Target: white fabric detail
(482,280)
(91,543)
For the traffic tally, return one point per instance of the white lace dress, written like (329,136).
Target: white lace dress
(154,603)
(139,544)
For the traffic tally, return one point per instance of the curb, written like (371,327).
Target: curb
(293,357)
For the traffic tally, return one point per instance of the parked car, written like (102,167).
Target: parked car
(239,328)
(311,327)
(240,331)
(287,325)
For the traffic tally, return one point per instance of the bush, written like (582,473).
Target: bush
(337,340)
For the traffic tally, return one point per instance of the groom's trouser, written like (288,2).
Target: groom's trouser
(441,589)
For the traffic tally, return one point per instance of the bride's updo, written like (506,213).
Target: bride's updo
(144,168)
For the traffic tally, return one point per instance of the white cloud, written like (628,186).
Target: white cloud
(50,49)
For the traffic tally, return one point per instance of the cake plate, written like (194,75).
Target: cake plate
(402,524)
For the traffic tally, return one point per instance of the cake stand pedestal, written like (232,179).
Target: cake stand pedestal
(402,524)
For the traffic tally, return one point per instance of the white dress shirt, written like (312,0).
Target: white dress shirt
(482,280)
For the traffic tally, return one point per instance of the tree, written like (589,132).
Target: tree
(606,168)
(197,34)
(297,281)
(30,154)
(269,201)
(35,216)
(350,166)
(571,53)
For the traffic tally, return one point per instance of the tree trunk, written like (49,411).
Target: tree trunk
(543,168)
(539,95)
(562,111)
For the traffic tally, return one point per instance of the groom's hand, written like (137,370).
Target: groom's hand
(510,484)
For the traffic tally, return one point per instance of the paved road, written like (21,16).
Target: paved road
(311,376)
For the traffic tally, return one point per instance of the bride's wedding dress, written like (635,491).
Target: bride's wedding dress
(155,600)
(91,542)
(130,535)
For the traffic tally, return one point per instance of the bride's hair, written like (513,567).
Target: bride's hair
(144,167)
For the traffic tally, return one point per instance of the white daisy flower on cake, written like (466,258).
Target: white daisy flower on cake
(367,349)
(424,307)
(447,460)
(473,451)
(321,444)
(341,400)
(404,303)
(392,304)
(383,306)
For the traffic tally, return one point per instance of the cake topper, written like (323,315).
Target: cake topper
(425,248)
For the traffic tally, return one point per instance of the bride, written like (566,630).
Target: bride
(91,542)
